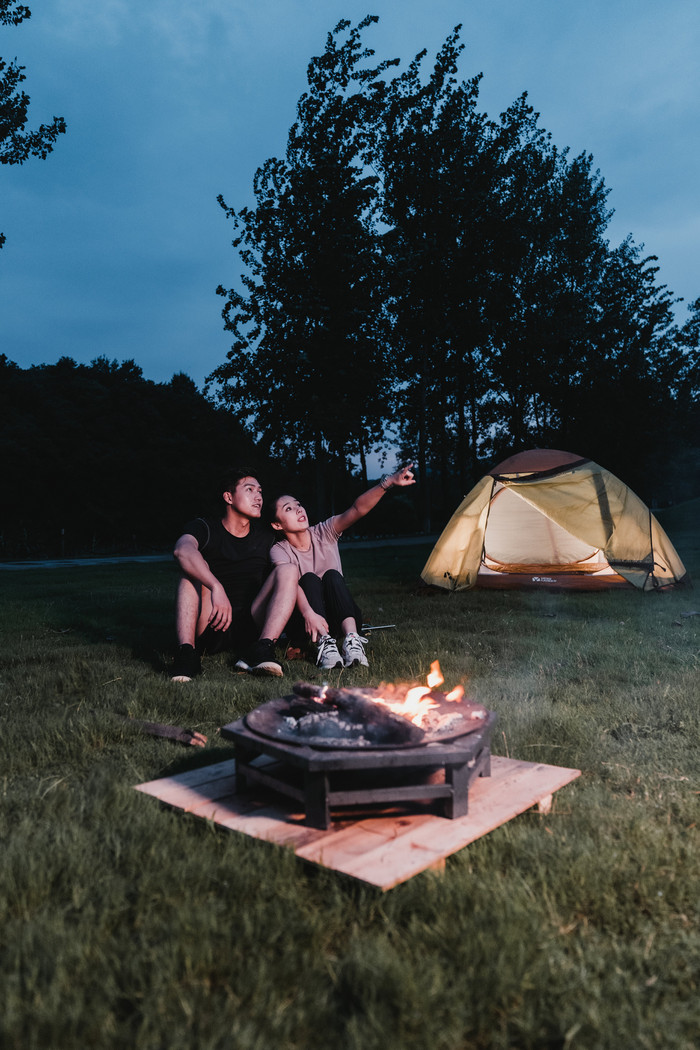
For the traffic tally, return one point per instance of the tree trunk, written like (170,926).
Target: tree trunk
(462,437)
(473,446)
(423,459)
(363,461)
(320,478)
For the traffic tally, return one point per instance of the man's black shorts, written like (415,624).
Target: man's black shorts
(242,633)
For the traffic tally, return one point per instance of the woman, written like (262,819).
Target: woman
(325,609)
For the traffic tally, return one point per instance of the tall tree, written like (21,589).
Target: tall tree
(309,359)
(464,197)
(551,260)
(630,384)
(436,158)
(16,143)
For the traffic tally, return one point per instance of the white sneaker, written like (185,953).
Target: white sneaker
(354,650)
(327,653)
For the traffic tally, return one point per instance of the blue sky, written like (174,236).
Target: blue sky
(116,244)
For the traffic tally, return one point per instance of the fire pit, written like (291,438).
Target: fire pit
(392,745)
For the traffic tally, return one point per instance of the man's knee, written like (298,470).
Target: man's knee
(285,575)
(281,580)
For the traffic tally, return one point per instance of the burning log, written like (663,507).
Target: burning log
(394,715)
(356,707)
(432,711)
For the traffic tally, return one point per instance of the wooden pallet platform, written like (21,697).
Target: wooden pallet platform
(382,849)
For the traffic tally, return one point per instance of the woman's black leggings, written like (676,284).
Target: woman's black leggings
(329,597)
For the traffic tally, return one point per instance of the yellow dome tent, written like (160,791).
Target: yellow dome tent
(550,519)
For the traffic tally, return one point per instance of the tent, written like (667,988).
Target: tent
(551,519)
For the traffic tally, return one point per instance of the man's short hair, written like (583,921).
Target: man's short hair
(232,476)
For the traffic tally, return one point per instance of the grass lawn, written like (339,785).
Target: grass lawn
(125,925)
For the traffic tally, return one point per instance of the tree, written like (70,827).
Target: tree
(16,143)
(516,321)
(309,360)
(432,160)
(413,264)
(628,403)
(551,259)
(464,198)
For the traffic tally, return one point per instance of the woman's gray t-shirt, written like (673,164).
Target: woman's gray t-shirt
(321,556)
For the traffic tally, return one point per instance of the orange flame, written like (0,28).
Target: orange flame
(435,676)
(418,700)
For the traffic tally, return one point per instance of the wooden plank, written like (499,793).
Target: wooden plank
(380,852)
(490,806)
(186,796)
(512,788)
(200,775)
(383,849)
(258,821)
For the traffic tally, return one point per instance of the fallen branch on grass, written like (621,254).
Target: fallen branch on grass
(181,736)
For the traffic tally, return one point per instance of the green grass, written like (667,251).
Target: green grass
(126,925)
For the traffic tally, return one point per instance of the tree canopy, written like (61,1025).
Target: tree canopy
(17,143)
(418,269)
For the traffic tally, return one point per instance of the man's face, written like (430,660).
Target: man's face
(246,499)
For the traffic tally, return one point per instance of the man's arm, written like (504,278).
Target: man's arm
(193,564)
(369,499)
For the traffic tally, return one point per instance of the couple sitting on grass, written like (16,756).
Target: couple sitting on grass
(244,584)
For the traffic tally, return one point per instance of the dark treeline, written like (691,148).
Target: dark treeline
(95,458)
(98,460)
(417,270)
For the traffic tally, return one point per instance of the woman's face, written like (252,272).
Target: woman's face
(290,516)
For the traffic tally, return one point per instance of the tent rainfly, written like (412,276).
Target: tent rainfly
(551,519)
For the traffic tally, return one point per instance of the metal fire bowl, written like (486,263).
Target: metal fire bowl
(268,721)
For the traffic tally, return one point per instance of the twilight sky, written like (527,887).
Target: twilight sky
(116,244)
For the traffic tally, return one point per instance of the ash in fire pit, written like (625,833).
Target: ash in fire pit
(327,727)
(385,717)
(316,716)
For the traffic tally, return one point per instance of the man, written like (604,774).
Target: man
(229,597)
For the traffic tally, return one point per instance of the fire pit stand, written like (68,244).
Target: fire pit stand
(324,778)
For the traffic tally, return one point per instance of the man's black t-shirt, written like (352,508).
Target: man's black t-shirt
(240,564)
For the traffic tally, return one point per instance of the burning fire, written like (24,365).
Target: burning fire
(418,701)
